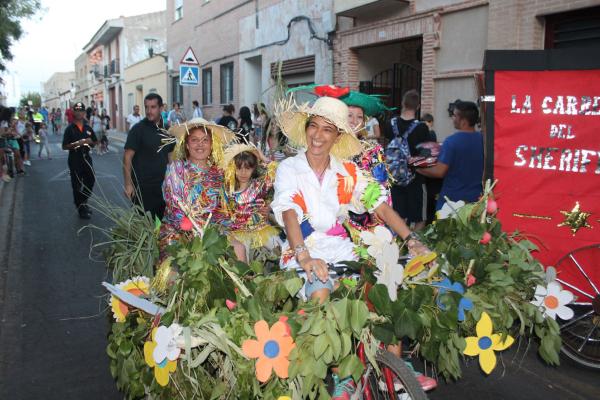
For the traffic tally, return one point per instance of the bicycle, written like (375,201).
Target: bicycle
(394,369)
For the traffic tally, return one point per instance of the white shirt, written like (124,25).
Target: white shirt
(324,208)
(197,113)
(370,126)
(133,119)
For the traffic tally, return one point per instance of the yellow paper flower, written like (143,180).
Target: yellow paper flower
(137,286)
(486,343)
(162,369)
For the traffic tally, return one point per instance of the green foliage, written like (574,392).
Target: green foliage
(131,245)
(506,276)
(205,276)
(11,14)
(34,97)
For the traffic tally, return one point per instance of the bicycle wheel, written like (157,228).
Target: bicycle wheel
(411,389)
(578,271)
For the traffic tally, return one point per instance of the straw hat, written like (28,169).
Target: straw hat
(221,136)
(228,164)
(292,120)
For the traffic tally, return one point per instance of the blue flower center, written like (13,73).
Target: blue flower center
(485,343)
(162,363)
(271,349)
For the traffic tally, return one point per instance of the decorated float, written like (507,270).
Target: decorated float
(200,324)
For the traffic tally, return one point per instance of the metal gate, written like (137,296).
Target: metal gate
(393,83)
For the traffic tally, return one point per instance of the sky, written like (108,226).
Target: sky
(56,35)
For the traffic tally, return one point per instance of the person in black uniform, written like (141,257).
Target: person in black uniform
(79,138)
(144,165)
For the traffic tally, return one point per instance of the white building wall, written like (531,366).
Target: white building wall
(273,22)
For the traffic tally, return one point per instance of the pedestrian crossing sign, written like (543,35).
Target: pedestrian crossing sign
(189,75)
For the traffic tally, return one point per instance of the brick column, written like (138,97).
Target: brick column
(428,71)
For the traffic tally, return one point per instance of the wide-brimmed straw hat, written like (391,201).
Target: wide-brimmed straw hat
(221,136)
(292,120)
(228,166)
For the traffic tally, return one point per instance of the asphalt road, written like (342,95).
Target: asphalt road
(53,322)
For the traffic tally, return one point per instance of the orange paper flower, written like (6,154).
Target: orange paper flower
(272,348)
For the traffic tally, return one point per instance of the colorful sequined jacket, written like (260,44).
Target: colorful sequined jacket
(192,192)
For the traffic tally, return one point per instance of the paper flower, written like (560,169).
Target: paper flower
(376,240)
(331,91)
(371,195)
(389,272)
(449,209)
(485,238)
(417,264)
(161,352)
(553,299)
(464,304)
(185,224)
(272,348)
(380,173)
(230,304)
(486,343)
(137,286)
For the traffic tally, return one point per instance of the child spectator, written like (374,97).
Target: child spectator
(43,134)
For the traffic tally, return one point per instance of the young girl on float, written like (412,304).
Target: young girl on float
(247,192)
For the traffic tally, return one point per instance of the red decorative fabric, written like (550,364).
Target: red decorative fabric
(547,157)
(331,91)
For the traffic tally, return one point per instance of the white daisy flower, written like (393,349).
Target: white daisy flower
(554,300)
(389,273)
(377,240)
(166,343)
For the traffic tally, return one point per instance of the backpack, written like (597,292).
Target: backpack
(397,154)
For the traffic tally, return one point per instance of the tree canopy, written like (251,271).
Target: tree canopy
(12,12)
(34,97)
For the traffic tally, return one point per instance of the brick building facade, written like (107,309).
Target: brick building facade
(450,36)
(237,43)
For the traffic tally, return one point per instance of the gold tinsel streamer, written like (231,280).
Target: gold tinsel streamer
(255,237)
(161,278)
(531,216)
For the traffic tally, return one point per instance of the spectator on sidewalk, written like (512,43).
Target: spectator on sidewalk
(43,133)
(79,139)
(461,160)
(434,185)
(144,165)
(228,120)
(410,200)
(197,110)
(69,115)
(245,134)
(165,116)
(134,117)
(38,119)
(176,116)
(58,121)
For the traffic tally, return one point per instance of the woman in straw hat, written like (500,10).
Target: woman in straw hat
(193,181)
(316,189)
(247,188)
